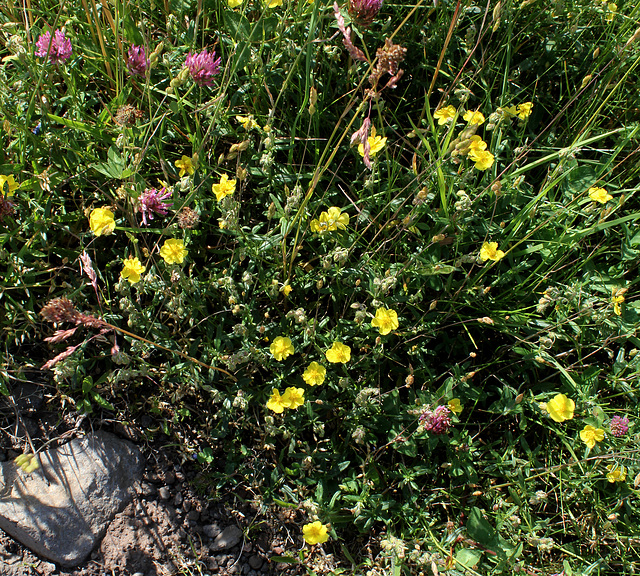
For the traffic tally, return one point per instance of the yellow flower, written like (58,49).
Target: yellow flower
(477,144)
(315,374)
(473,117)
(489,251)
(444,115)
(101,221)
(275,403)
(315,533)
(612,9)
(617,473)
(332,219)
(28,462)
(247,122)
(132,269)
(386,320)
(483,159)
(561,408)
(454,406)
(234,3)
(173,251)
(590,435)
(224,188)
(338,353)
(286,290)
(376,143)
(281,348)
(186,165)
(273,3)
(523,110)
(617,297)
(510,111)
(599,195)
(293,398)
(12,185)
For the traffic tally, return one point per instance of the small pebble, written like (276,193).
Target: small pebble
(177,501)
(164,493)
(193,516)
(256,562)
(169,478)
(186,506)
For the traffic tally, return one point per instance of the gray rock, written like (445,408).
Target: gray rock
(228,538)
(177,501)
(256,562)
(61,510)
(164,493)
(211,530)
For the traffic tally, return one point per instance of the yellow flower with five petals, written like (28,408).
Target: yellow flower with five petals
(590,435)
(186,165)
(385,321)
(315,374)
(224,188)
(489,251)
(315,533)
(281,348)
(132,269)
(444,115)
(338,353)
(561,408)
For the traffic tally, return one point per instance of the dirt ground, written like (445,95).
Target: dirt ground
(172,526)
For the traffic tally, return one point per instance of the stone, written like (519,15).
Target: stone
(62,510)
(164,493)
(256,562)
(228,538)
(211,530)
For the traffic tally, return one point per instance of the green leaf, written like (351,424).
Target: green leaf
(284,559)
(468,557)
(480,530)
(580,179)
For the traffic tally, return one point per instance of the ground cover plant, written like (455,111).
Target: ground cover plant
(373,264)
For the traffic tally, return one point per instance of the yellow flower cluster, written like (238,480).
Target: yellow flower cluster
(329,221)
(522,111)
(292,398)
(561,408)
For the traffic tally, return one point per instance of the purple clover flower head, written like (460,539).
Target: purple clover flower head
(137,61)
(437,421)
(203,67)
(60,50)
(619,426)
(364,12)
(152,202)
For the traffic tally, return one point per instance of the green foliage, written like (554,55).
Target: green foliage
(550,308)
